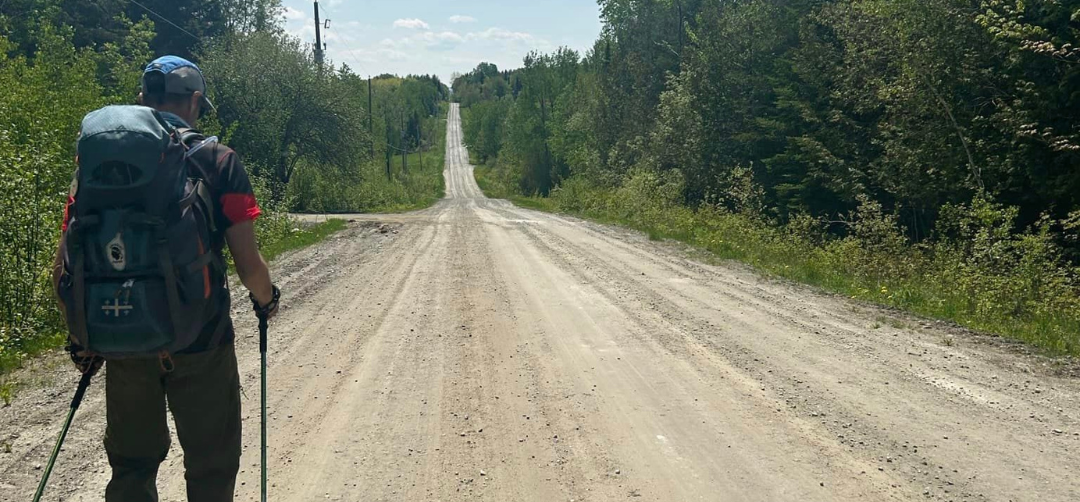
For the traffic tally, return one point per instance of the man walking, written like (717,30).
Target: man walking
(199,383)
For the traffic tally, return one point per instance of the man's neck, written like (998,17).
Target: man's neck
(174,119)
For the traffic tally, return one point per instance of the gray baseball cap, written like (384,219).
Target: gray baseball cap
(181,77)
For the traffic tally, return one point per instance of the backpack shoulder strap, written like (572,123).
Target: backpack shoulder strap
(188,136)
(202,191)
(195,141)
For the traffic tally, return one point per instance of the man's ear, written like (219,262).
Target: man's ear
(139,99)
(196,103)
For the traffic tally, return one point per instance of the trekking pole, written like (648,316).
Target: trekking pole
(263,324)
(75,402)
(263,312)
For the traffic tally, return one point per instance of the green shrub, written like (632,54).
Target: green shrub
(42,105)
(274,224)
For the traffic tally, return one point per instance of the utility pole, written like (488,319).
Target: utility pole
(389,172)
(318,37)
(682,28)
(420,143)
(404,150)
(370,129)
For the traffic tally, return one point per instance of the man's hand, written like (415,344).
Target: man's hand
(86,362)
(268,309)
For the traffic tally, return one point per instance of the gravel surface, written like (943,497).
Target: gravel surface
(478,351)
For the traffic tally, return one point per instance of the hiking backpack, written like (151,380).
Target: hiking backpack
(140,275)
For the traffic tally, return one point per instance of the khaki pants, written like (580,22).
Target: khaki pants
(203,393)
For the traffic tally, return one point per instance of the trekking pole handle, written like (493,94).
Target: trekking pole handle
(263,327)
(266,310)
(263,313)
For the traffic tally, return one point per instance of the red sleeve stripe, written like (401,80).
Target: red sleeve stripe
(67,214)
(240,207)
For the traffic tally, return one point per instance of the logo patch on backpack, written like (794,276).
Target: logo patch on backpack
(117,253)
(118,307)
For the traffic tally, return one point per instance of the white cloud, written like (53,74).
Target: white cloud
(413,46)
(430,40)
(412,24)
(500,34)
(455,39)
(447,51)
(449,36)
(445,41)
(292,14)
(393,55)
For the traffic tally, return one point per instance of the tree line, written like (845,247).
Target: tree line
(295,122)
(953,122)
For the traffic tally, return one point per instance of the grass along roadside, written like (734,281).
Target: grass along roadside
(301,237)
(418,186)
(495,186)
(1008,287)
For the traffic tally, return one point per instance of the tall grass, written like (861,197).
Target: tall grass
(371,190)
(495,184)
(301,236)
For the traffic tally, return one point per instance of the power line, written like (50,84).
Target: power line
(163,18)
(331,14)
(348,47)
(356,59)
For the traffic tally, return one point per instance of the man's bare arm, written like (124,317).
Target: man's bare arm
(250,265)
(57,272)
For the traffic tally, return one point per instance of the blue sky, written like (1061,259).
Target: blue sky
(443,37)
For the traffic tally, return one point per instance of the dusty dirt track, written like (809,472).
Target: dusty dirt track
(485,352)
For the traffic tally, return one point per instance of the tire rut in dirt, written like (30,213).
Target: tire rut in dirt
(840,390)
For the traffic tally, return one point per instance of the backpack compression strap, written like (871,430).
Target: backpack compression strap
(169,273)
(74,245)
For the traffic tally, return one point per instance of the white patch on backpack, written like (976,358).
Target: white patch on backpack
(118,307)
(114,307)
(117,253)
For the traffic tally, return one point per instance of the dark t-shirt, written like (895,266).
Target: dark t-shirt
(230,188)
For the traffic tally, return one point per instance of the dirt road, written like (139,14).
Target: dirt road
(485,352)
